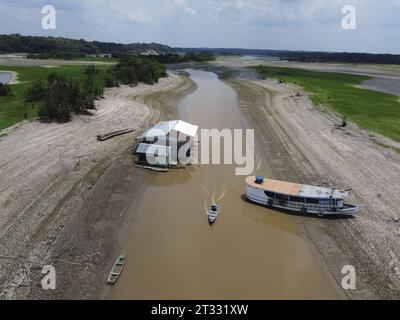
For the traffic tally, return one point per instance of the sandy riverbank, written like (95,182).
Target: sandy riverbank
(59,192)
(302,145)
(379,71)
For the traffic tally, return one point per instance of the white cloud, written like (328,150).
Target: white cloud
(139,16)
(182,5)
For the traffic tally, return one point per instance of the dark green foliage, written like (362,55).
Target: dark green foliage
(58,101)
(343,57)
(110,82)
(51,47)
(5,90)
(180,58)
(91,70)
(62,96)
(203,56)
(169,58)
(132,69)
(36,93)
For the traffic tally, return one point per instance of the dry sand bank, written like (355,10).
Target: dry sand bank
(379,71)
(60,192)
(302,145)
(391,86)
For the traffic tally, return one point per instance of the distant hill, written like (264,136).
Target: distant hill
(17,43)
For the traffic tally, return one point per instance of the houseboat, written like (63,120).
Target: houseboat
(166,144)
(298,197)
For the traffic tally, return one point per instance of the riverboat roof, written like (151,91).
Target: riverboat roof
(296,189)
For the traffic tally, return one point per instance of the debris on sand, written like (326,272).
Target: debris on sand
(110,135)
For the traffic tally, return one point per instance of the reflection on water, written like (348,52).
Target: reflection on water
(250,252)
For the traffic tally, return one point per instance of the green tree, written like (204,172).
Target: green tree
(5,90)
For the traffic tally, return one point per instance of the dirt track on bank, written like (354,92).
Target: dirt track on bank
(59,199)
(302,144)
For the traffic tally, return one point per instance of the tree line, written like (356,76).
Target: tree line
(134,69)
(169,58)
(344,57)
(31,44)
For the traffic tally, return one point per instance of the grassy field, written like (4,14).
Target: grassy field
(14,109)
(97,59)
(372,110)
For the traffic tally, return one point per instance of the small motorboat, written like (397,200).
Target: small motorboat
(213,213)
(116,270)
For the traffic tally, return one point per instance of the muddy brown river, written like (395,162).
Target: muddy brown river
(249,253)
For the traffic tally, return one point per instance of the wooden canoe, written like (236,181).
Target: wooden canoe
(116,270)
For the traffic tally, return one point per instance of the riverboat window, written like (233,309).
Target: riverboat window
(297,199)
(326,202)
(282,197)
(311,200)
(269,194)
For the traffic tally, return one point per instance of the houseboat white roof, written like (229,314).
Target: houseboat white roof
(153,149)
(163,128)
(295,189)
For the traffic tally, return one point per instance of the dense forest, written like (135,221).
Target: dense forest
(17,43)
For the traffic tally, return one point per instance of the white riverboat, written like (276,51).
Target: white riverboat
(298,197)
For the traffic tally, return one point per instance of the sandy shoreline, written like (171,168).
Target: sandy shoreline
(61,216)
(304,146)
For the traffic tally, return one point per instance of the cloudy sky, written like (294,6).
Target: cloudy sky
(260,24)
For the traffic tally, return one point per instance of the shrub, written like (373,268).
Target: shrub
(36,93)
(62,97)
(5,90)
(110,82)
